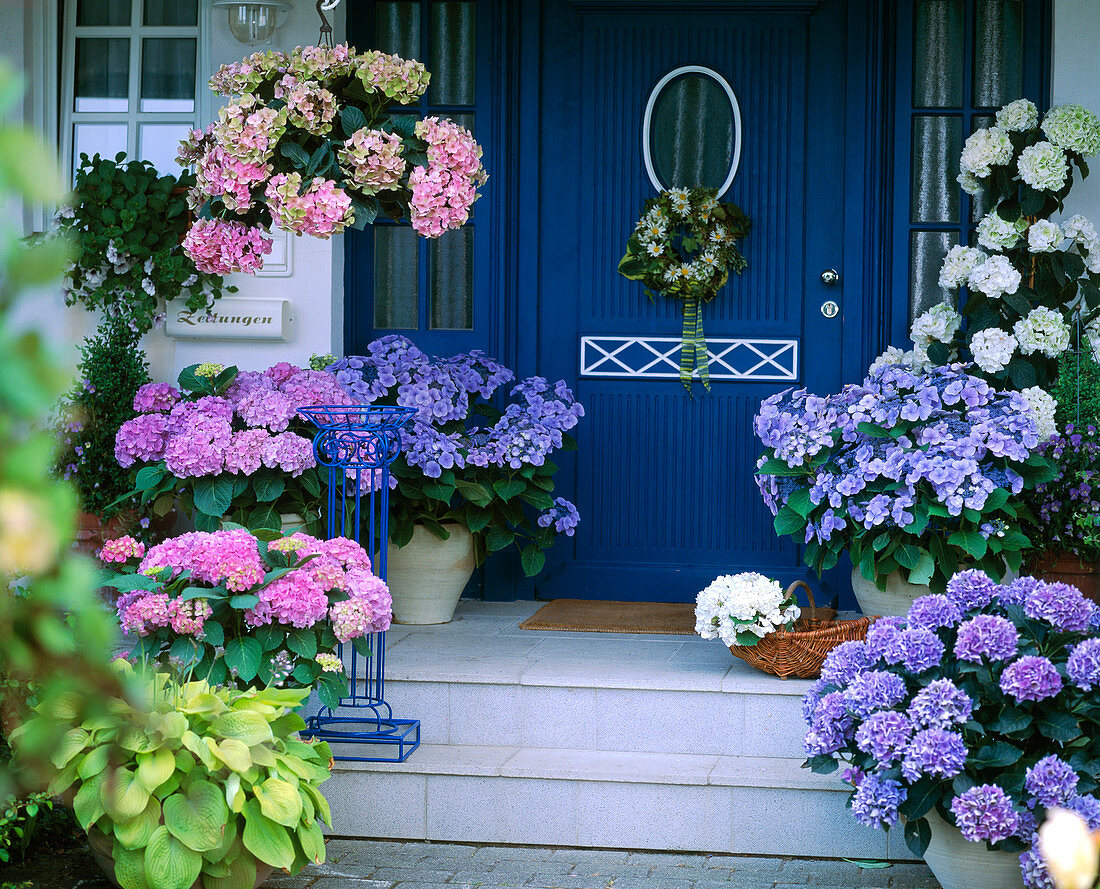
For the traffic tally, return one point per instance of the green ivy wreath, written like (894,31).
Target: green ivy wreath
(684,246)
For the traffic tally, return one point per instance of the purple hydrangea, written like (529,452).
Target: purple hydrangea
(830,725)
(933,612)
(987,636)
(934,752)
(882,639)
(1031,678)
(1060,605)
(971,589)
(155,398)
(940,704)
(1088,807)
(845,662)
(921,650)
(874,690)
(1052,781)
(876,801)
(1017,591)
(1034,870)
(884,735)
(985,812)
(1083,665)
(562,515)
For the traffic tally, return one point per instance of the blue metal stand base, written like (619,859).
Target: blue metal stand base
(357,444)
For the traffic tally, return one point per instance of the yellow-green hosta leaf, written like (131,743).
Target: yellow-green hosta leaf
(229,847)
(155,768)
(242,875)
(204,704)
(234,796)
(185,761)
(129,866)
(170,726)
(169,864)
(63,780)
(263,755)
(304,769)
(312,841)
(197,816)
(168,787)
(94,761)
(136,833)
(75,740)
(138,740)
(279,801)
(243,725)
(235,754)
(195,744)
(86,804)
(123,795)
(265,839)
(319,802)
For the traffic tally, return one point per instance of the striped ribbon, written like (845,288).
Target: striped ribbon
(693,345)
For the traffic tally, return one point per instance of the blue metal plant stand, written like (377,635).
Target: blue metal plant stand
(357,443)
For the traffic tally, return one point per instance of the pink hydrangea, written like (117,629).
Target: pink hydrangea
(273,410)
(229,557)
(142,439)
(314,387)
(220,248)
(308,104)
(221,175)
(248,130)
(121,550)
(245,454)
(198,446)
(321,62)
(321,210)
(349,552)
(245,381)
(398,80)
(142,613)
(372,159)
(246,75)
(174,553)
(210,406)
(155,397)
(367,610)
(280,372)
(295,599)
(443,192)
(290,453)
(188,617)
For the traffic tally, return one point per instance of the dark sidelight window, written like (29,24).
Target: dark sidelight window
(399,282)
(958,62)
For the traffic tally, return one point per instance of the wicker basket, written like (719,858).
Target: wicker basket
(803,650)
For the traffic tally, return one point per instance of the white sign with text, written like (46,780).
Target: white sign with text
(232,319)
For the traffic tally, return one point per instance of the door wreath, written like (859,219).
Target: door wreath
(684,246)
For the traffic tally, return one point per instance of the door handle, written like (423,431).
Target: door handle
(830,277)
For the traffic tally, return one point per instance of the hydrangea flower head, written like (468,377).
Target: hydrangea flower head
(985,812)
(986,637)
(1031,678)
(971,589)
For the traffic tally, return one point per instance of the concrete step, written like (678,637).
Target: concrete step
(603,799)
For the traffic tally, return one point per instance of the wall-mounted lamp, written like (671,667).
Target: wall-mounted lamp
(253,21)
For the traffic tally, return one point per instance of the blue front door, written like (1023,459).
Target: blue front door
(664,478)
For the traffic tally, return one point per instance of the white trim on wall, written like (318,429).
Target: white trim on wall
(40,64)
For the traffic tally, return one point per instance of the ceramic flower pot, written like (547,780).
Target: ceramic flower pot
(101,846)
(426,576)
(959,864)
(893,601)
(1069,569)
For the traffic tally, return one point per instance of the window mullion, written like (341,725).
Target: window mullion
(135,79)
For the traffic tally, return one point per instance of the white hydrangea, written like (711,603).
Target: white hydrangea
(995,277)
(749,604)
(1073,128)
(1092,259)
(970,183)
(1044,236)
(1043,166)
(1042,405)
(939,323)
(958,264)
(1043,330)
(992,349)
(893,355)
(1092,334)
(1018,116)
(1081,230)
(995,233)
(985,149)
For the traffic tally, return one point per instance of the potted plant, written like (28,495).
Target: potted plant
(128,222)
(239,608)
(314,140)
(969,718)
(231,446)
(912,473)
(471,479)
(1032,284)
(112,371)
(193,786)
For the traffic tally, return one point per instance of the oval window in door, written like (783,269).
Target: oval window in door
(691,134)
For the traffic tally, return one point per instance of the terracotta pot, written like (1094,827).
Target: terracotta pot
(92,531)
(1067,568)
(959,864)
(426,576)
(102,847)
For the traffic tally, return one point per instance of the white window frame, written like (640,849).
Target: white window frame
(133,117)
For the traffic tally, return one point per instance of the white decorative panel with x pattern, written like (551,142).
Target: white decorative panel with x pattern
(658,357)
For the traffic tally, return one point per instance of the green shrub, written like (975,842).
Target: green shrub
(1078,390)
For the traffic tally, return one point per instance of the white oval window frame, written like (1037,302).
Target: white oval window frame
(647,151)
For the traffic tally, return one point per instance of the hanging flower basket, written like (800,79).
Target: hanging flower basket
(801,652)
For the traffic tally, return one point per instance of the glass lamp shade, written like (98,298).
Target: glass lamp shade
(253,22)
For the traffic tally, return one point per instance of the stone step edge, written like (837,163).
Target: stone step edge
(602,766)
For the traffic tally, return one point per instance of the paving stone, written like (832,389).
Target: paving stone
(737,881)
(341,883)
(511,853)
(585,856)
(653,883)
(413,874)
(571,881)
(609,869)
(537,866)
(667,859)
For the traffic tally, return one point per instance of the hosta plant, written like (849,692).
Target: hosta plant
(195,785)
(908,471)
(981,705)
(235,608)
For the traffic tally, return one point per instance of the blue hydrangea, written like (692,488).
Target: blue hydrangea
(874,690)
(885,735)
(971,589)
(986,637)
(1052,781)
(985,812)
(882,638)
(845,662)
(1088,807)
(920,650)
(1060,605)
(934,752)
(876,801)
(1034,870)
(1083,665)
(1015,592)
(940,704)
(1031,678)
(933,612)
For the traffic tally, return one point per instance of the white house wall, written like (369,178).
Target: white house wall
(315,288)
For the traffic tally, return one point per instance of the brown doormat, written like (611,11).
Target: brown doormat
(586,615)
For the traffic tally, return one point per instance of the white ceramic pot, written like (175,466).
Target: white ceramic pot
(960,864)
(893,601)
(426,576)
